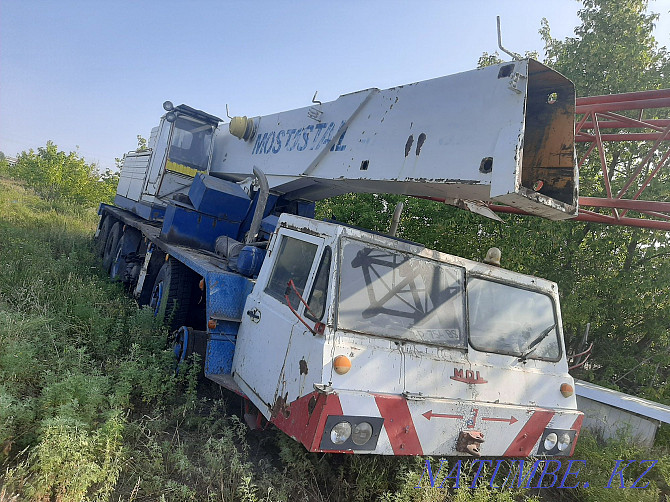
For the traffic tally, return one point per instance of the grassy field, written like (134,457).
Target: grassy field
(91,409)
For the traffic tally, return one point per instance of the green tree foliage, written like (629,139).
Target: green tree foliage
(57,175)
(613,50)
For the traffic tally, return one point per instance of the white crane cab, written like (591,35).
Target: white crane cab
(358,342)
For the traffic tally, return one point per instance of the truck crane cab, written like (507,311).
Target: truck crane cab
(433,354)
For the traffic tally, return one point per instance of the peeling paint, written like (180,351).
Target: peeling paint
(408,145)
(420,142)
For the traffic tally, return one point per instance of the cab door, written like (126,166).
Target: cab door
(269,328)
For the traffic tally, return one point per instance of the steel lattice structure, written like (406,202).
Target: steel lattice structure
(598,123)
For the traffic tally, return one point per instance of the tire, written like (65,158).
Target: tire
(186,343)
(118,265)
(101,239)
(110,245)
(171,294)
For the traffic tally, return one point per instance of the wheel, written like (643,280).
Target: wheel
(171,294)
(110,245)
(189,347)
(118,265)
(101,239)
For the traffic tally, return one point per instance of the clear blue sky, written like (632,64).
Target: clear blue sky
(93,74)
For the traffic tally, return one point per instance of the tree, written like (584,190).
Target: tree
(614,51)
(56,175)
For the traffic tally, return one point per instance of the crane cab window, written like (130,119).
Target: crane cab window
(294,261)
(190,144)
(506,319)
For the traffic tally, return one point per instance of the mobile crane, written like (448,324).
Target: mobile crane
(348,340)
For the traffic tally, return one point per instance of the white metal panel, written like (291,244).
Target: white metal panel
(432,138)
(133,173)
(633,404)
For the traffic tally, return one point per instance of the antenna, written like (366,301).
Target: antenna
(514,55)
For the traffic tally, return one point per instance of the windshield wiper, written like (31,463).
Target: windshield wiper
(536,342)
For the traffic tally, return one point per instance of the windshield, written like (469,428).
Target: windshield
(510,320)
(387,293)
(190,144)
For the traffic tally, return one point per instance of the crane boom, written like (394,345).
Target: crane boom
(503,133)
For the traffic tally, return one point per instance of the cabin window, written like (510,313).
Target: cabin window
(294,261)
(510,320)
(190,145)
(319,294)
(392,294)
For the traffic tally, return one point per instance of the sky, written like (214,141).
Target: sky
(92,75)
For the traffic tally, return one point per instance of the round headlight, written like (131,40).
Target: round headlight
(550,441)
(362,433)
(340,432)
(563,442)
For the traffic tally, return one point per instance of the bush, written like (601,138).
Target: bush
(58,176)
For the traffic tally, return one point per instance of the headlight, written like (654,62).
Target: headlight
(362,433)
(563,442)
(340,432)
(550,441)
(351,433)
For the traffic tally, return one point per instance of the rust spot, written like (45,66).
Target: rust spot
(311,405)
(420,142)
(408,145)
(303,367)
(280,406)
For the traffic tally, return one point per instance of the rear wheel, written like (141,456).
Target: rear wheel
(101,239)
(110,245)
(171,294)
(118,265)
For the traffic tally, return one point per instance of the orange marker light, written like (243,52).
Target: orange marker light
(211,324)
(567,390)
(342,365)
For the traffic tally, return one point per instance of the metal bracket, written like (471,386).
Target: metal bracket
(143,273)
(413,396)
(323,388)
(469,441)
(514,81)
